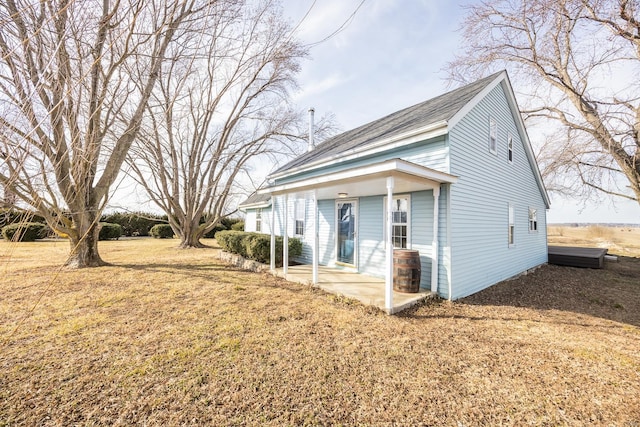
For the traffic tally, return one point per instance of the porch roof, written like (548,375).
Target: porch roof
(367,180)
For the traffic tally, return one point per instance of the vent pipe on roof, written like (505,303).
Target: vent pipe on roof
(312,144)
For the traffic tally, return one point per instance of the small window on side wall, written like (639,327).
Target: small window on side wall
(400,221)
(493,135)
(533,220)
(258,220)
(510,148)
(299,213)
(512,226)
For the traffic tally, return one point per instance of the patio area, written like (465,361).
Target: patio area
(366,289)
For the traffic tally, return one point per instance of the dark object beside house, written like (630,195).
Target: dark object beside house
(577,257)
(406,271)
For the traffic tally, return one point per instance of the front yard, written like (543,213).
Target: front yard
(173,337)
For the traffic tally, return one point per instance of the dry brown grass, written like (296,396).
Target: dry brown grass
(172,337)
(623,241)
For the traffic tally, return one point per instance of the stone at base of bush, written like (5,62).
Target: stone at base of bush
(256,246)
(25,232)
(161,231)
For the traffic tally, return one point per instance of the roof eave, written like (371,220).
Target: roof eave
(426,132)
(256,205)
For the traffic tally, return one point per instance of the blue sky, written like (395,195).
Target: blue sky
(391,55)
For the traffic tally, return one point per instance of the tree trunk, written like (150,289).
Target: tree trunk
(190,238)
(191,241)
(84,242)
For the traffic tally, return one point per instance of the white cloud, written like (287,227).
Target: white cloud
(313,88)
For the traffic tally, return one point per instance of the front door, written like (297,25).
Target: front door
(346,214)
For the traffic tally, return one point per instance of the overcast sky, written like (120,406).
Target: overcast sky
(391,55)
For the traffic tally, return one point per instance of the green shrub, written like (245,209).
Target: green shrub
(256,246)
(238,226)
(212,233)
(15,216)
(109,231)
(25,232)
(228,222)
(161,231)
(231,241)
(133,223)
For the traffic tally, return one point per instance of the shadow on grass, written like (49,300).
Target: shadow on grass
(216,272)
(611,293)
(205,271)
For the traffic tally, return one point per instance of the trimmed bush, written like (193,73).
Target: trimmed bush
(109,231)
(228,222)
(25,232)
(238,226)
(15,216)
(212,233)
(161,231)
(256,246)
(134,223)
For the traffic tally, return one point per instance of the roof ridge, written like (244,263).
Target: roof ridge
(444,106)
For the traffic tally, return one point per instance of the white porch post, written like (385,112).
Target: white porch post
(285,237)
(316,238)
(273,234)
(388,290)
(434,244)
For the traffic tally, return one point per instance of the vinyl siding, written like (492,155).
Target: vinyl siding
(371,247)
(326,232)
(432,153)
(250,220)
(422,232)
(372,255)
(488,183)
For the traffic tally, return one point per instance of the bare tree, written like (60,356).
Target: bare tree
(579,61)
(75,79)
(222,103)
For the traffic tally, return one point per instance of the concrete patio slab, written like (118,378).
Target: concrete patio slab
(366,289)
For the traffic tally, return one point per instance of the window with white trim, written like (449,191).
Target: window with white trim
(493,135)
(533,220)
(400,221)
(299,212)
(512,225)
(510,148)
(258,220)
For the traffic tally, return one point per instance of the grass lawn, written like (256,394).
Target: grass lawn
(171,337)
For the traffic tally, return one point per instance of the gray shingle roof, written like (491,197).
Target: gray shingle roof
(437,109)
(255,199)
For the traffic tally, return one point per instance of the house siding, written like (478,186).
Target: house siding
(432,153)
(327,232)
(488,183)
(371,244)
(250,220)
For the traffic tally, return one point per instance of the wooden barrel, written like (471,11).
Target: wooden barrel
(406,271)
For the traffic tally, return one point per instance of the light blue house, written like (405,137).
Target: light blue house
(453,177)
